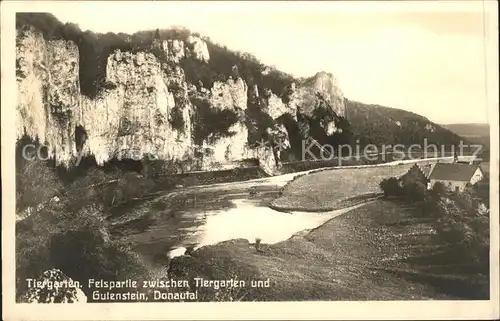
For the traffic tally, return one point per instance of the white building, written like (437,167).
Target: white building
(456,176)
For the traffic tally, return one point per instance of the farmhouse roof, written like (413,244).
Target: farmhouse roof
(426,169)
(453,172)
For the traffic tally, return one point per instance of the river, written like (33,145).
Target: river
(163,227)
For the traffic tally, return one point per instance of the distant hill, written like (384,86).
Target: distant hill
(469,130)
(473,132)
(375,124)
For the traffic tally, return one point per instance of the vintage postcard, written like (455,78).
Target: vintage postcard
(250,160)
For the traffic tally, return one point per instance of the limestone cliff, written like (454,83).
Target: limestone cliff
(320,92)
(147,106)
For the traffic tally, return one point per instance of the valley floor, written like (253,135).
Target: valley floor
(382,250)
(331,189)
(379,251)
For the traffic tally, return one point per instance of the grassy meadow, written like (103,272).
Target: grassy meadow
(329,189)
(384,250)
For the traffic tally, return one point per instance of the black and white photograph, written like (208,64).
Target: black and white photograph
(233,152)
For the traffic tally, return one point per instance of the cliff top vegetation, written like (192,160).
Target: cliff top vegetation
(94,49)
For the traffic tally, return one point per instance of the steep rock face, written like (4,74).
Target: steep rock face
(319,98)
(146,107)
(132,118)
(324,84)
(174,49)
(230,94)
(220,153)
(144,110)
(198,48)
(277,108)
(48,92)
(233,95)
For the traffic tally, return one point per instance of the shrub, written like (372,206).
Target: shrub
(177,119)
(252,190)
(463,223)
(257,244)
(36,181)
(189,250)
(75,242)
(107,188)
(438,189)
(390,187)
(411,186)
(131,186)
(415,191)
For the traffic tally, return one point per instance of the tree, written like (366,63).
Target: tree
(438,189)
(391,187)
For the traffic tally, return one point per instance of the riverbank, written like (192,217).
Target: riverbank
(379,251)
(331,188)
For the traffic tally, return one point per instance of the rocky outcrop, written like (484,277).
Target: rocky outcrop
(277,108)
(230,94)
(145,108)
(198,48)
(323,86)
(134,117)
(131,118)
(319,93)
(48,92)
(222,152)
(173,49)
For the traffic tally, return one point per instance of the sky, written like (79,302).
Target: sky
(428,58)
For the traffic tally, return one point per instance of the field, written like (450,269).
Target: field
(379,251)
(330,189)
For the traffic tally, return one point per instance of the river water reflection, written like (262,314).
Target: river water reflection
(166,226)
